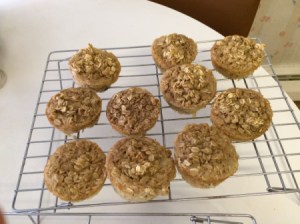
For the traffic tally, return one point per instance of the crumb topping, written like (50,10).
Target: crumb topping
(177,48)
(73,106)
(205,152)
(243,110)
(141,164)
(94,64)
(135,110)
(188,85)
(76,170)
(239,52)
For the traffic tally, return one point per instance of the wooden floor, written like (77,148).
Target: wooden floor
(298,104)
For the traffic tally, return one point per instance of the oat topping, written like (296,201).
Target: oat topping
(76,170)
(239,52)
(141,165)
(188,85)
(133,110)
(73,107)
(174,49)
(94,64)
(242,110)
(205,152)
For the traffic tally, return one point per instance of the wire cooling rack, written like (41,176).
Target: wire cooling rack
(111,218)
(268,165)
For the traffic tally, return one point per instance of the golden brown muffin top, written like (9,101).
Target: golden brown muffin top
(238,52)
(205,151)
(73,107)
(133,110)
(95,64)
(242,112)
(76,170)
(188,85)
(174,49)
(141,163)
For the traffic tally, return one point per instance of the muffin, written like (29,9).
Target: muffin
(74,109)
(237,57)
(133,111)
(173,49)
(242,114)
(204,156)
(94,68)
(139,168)
(188,87)
(76,171)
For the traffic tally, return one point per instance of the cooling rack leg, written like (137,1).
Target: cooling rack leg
(209,220)
(193,219)
(32,220)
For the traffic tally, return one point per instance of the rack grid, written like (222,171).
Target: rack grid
(267,165)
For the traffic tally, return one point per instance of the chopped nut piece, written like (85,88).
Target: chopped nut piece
(74,109)
(237,57)
(76,171)
(173,49)
(131,164)
(187,88)
(245,116)
(204,156)
(133,111)
(95,68)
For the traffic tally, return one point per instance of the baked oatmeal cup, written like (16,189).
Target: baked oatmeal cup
(188,88)
(94,68)
(173,49)
(133,111)
(242,114)
(236,57)
(76,171)
(74,109)
(140,169)
(204,156)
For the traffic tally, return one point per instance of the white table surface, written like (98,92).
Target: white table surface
(30,29)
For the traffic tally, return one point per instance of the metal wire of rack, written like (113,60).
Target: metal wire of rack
(183,218)
(267,165)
